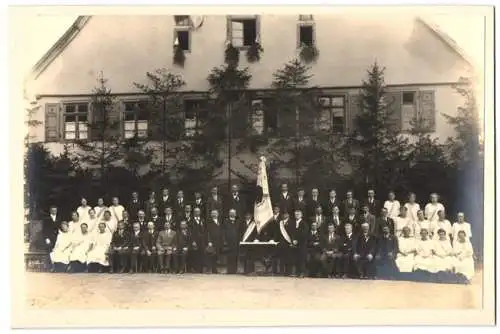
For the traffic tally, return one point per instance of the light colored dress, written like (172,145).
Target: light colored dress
(80,245)
(111,225)
(412,211)
(400,223)
(83,212)
(117,212)
(99,211)
(464,258)
(435,226)
(92,224)
(424,259)
(100,247)
(443,259)
(422,224)
(431,211)
(392,208)
(405,260)
(62,248)
(457,227)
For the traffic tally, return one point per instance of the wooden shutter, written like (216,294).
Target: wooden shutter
(355,109)
(427,109)
(52,122)
(394,102)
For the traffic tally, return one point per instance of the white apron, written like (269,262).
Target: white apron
(405,260)
(100,246)
(424,260)
(464,260)
(62,248)
(80,246)
(443,259)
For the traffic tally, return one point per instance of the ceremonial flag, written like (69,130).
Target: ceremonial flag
(263,210)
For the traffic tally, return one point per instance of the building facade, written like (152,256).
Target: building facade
(422,66)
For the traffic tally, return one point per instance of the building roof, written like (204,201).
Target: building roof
(80,22)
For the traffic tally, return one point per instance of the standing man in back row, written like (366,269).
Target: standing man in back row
(236,202)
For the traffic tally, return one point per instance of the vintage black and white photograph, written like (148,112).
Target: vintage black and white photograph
(319,158)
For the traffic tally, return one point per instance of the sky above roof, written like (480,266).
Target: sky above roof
(43,32)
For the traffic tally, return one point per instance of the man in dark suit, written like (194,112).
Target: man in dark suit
(231,240)
(179,205)
(299,241)
(387,248)
(166,248)
(188,213)
(213,240)
(313,203)
(119,249)
(364,248)
(285,244)
(300,202)
(170,218)
(336,220)
(183,247)
(141,219)
(134,206)
(350,203)
(330,251)
(367,217)
(236,202)
(156,219)
(372,203)
(320,220)
(384,220)
(149,253)
(135,243)
(197,248)
(345,247)
(314,251)
(166,201)
(50,228)
(285,201)
(214,202)
(332,202)
(354,220)
(200,203)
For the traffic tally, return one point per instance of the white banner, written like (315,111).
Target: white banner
(263,210)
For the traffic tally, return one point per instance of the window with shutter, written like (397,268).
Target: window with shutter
(76,121)
(263,117)
(427,110)
(52,124)
(354,111)
(394,104)
(243,31)
(195,116)
(135,119)
(408,110)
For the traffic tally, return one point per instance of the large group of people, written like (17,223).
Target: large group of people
(307,236)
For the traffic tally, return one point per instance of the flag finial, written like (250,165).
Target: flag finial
(263,158)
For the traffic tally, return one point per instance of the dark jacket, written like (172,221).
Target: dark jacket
(162,205)
(327,245)
(328,206)
(179,208)
(158,221)
(214,234)
(285,204)
(374,207)
(148,205)
(213,204)
(363,246)
(356,224)
(237,204)
(371,220)
(300,205)
(50,229)
(149,240)
(300,233)
(314,242)
(311,207)
(135,241)
(345,244)
(386,245)
(183,240)
(346,206)
(290,229)
(133,208)
(122,240)
(381,222)
(197,233)
(231,233)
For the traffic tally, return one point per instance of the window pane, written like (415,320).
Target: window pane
(129,134)
(142,133)
(190,123)
(408,97)
(142,125)
(305,17)
(325,101)
(82,118)
(337,101)
(183,37)
(82,126)
(237,33)
(83,108)
(83,134)
(249,32)
(69,108)
(70,135)
(338,112)
(130,125)
(70,126)
(306,35)
(71,118)
(129,106)
(129,116)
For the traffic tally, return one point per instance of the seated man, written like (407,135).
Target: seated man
(387,248)
(119,249)
(330,251)
(135,243)
(314,251)
(364,252)
(148,252)
(165,245)
(183,244)
(345,246)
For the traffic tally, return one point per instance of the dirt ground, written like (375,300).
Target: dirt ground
(202,291)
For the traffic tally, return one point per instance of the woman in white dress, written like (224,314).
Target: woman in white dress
(412,207)
(75,223)
(403,221)
(441,223)
(405,259)
(98,256)
(80,246)
(100,208)
(443,251)
(424,259)
(109,222)
(464,255)
(92,221)
(83,210)
(461,225)
(116,210)
(62,249)
(432,208)
(392,205)
(421,223)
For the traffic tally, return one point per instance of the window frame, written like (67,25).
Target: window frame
(414,92)
(229,27)
(198,128)
(308,23)
(77,115)
(264,100)
(136,112)
(331,107)
(186,29)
